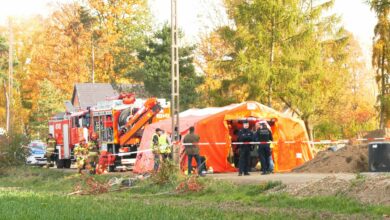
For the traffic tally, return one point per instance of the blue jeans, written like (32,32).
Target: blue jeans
(197,158)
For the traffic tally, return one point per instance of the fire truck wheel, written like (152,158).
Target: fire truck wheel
(60,164)
(67,163)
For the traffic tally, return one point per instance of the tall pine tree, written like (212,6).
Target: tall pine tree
(155,73)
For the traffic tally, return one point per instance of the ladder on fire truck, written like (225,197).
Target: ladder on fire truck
(139,120)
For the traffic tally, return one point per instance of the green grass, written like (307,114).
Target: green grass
(35,193)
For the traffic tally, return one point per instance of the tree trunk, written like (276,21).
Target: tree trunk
(10,76)
(309,128)
(7,106)
(271,61)
(382,113)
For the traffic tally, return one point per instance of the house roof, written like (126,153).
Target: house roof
(89,94)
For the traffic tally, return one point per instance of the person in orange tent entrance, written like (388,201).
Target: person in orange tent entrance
(264,134)
(244,135)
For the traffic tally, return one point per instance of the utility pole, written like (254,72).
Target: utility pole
(175,101)
(10,73)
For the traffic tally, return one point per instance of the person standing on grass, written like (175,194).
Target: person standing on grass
(264,134)
(93,152)
(192,150)
(50,150)
(244,135)
(164,143)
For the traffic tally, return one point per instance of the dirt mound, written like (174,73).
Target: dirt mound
(349,159)
(375,134)
(371,189)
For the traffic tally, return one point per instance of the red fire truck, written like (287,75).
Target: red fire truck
(119,123)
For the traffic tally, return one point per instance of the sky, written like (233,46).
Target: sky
(197,17)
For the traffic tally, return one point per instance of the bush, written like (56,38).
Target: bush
(168,173)
(12,150)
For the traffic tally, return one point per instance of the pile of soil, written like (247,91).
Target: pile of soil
(370,189)
(375,134)
(349,159)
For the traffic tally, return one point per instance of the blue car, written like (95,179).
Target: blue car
(36,153)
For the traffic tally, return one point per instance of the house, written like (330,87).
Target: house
(88,94)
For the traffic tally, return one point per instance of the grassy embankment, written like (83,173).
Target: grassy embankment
(34,193)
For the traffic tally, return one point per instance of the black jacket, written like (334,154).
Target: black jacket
(263,135)
(245,135)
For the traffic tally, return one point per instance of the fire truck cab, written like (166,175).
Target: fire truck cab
(68,129)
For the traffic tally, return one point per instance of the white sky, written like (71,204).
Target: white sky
(198,16)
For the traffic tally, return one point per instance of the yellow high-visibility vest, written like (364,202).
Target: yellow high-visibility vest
(163,144)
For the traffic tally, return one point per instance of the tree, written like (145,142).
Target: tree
(121,27)
(284,53)
(211,53)
(4,101)
(49,101)
(155,73)
(381,55)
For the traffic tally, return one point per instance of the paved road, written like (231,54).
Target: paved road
(255,177)
(286,178)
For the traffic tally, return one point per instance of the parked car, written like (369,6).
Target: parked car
(36,153)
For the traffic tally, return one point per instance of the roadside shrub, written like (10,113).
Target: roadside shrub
(12,150)
(168,173)
(192,184)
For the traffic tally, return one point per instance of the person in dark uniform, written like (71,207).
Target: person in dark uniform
(264,134)
(244,135)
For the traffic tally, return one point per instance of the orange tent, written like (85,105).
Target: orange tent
(213,124)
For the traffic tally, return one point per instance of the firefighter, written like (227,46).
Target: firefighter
(264,134)
(93,152)
(50,150)
(244,135)
(81,153)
